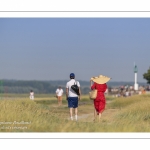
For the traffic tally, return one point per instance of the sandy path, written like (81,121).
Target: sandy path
(107,115)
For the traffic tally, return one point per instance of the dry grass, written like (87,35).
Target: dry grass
(19,114)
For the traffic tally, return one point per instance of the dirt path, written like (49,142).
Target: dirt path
(107,116)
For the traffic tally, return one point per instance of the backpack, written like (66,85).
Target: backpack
(75,88)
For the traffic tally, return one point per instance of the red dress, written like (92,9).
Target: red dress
(100,101)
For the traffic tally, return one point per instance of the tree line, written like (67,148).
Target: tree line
(40,87)
(45,87)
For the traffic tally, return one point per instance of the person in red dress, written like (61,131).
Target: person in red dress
(99,101)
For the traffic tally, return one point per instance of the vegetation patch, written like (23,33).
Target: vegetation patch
(20,114)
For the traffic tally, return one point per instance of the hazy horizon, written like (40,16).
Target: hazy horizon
(144,82)
(52,48)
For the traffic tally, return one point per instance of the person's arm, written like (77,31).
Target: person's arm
(92,85)
(79,96)
(79,93)
(57,91)
(67,92)
(106,87)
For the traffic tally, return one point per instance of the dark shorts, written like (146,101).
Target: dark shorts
(72,102)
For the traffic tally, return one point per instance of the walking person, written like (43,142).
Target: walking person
(31,95)
(59,94)
(100,101)
(72,96)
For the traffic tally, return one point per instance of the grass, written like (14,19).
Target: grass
(19,114)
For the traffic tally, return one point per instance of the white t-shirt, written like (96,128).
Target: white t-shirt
(127,93)
(69,84)
(31,93)
(59,92)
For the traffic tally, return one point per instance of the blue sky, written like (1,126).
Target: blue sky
(52,48)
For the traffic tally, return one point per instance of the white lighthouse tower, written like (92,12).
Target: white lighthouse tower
(135,78)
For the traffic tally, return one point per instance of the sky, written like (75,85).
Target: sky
(52,48)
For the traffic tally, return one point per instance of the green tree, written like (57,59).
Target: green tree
(147,76)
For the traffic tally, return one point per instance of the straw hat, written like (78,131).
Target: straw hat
(100,79)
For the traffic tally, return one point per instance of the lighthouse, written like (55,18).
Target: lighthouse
(135,78)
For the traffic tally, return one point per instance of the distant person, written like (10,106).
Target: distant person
(59,94)
(147,88)
(131,87)
(31,95)
(119,95)
(72,96)
(99,101)
(127,93)
(143,90)
(140,92)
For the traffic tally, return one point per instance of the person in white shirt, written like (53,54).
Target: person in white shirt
(59,94)
(72,96)
(127,93)
(31,95)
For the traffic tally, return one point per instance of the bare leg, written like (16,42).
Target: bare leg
(76,113)
(94,114)
(99,116)
(71,114)
(60,100)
